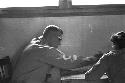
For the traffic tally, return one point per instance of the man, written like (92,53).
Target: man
(42,57)
(111,63)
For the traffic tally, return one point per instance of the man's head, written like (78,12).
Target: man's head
(53,35)
(118,40)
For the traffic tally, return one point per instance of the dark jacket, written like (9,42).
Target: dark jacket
(112,63)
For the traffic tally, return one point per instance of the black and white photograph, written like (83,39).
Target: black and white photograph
(62,41)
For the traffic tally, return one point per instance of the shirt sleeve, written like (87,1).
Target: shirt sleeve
(98,69)
(58,59)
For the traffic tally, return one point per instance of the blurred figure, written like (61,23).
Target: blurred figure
(41,61)
(111,63)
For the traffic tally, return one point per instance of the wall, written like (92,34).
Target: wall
(83,35)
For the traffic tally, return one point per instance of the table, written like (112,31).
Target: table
(81,79)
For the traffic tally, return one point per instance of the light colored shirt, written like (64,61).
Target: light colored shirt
(36,62)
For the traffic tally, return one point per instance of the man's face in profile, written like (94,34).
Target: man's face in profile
(54,39)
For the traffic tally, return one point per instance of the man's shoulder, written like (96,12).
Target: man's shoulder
(43,50)
(38,47)
(45,47)
(107,56)
(114,53)
(111,53)
(110,56)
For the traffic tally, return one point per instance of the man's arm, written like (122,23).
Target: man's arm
(88,63)
(58,59)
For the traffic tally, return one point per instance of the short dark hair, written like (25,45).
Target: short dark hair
(118,39)
(51,28)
